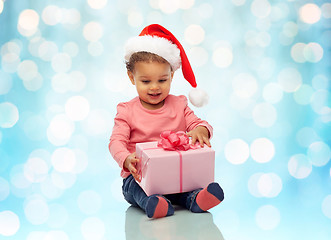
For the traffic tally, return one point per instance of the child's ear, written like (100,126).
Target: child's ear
(130,74)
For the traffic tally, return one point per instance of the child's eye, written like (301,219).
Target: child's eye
(145,81)
(162,80)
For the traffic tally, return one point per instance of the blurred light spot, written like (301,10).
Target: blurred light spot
(89,202)
(61,82)
(95,48)
(260,8)
(319,101)
(223,57)
(4,189)
(266,68)
(51,15)
(290,29)
(28,22)
(264,115)
(36,210)
(269,185)
(58,216)
(154,4)
(272,93)
(10,62)
(238,2)
(320,82)
(27,70)
(279,11)
(244,85)
(61,62)
(63,160)
(297,52)
(97,4)
(1,6)
(326,10)
(8,115)
(60,130)
(135,18)
(93,31)
(9,223)
(77,81)
(169,6)
(186,4)
(6,83)
(198,56)
(14,46)
(36,235)
(310,13)
(70,17)
(206,10)
(250,38)
(299,166)
(319,153)
(77,108)
(81,161)
(303,95)
(244,105)
(49,189)
(17,178)
(262,150)
(236,151)
(285,40)
(289,79)
(93,228)
(63,180)
(267,217)
(47,50)
(326,206)
(252,185)
(263,39)
(71,48)
(306,136)
(34,44)
(35,170)
(34,84)
(97,123)
(313,52)
(194,34)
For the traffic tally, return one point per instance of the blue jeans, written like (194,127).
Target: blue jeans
(134,195)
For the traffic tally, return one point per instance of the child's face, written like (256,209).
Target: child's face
(152,81)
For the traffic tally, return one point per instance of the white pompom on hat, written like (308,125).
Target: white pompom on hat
(156,39)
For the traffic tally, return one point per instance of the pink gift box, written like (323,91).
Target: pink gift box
(167,172)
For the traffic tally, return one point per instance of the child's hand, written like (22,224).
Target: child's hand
(200,134)
(130,164)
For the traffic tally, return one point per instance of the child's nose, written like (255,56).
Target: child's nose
(155,86)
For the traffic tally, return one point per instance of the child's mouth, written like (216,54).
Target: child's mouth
(154,94)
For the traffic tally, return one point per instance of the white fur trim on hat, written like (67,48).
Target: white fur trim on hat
(153,44)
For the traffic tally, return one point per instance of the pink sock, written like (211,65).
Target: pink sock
(161,208)
(209,197)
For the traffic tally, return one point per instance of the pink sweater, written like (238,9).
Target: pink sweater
(135,124)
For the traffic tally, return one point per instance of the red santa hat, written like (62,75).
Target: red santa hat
(158,40)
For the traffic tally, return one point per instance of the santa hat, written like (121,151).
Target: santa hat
(158,40)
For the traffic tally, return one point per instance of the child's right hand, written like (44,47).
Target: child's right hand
(130,164)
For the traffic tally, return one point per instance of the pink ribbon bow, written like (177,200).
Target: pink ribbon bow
(175,141)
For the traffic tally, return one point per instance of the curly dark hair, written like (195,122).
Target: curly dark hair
(143,57)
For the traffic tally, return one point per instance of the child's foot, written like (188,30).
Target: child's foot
(208,198)
(158,207)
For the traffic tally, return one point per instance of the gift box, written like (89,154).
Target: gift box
(174,171)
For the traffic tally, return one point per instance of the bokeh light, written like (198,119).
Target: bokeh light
(267,217)
(310,13)
(9,115)
(9,223)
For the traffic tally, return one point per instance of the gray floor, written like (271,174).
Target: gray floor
(182,225)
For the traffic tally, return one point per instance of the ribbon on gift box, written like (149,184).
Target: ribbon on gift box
(174,141)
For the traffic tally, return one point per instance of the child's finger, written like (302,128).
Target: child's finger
(206,140)
(194,139)
(201,141)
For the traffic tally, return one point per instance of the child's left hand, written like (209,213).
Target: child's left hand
(200,134)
